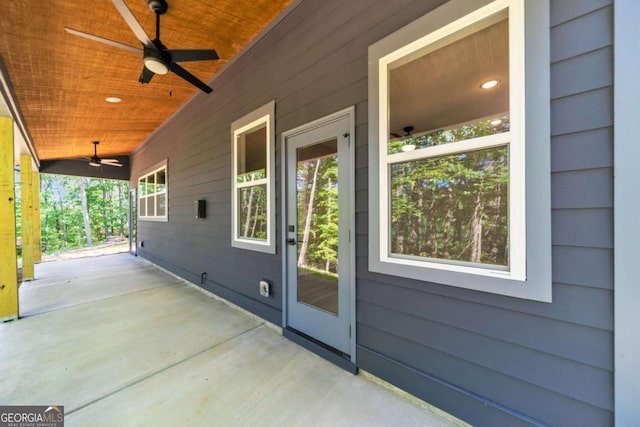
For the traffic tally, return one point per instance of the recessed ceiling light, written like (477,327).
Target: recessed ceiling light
(489,84)
(496,122)
(113,99)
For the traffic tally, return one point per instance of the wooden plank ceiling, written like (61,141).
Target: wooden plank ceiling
(61,80)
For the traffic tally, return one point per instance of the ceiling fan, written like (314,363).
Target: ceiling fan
(96,161)
(156,57)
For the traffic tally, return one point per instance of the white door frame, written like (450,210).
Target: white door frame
(348,113)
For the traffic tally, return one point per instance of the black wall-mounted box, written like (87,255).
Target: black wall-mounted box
(200,208)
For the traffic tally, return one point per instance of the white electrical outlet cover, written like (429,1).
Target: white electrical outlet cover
(264,288)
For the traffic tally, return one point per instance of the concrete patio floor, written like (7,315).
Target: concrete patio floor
(119,342)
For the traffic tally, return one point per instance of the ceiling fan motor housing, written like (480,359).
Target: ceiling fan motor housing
(158,7)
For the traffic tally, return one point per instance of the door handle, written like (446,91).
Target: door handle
(291,242)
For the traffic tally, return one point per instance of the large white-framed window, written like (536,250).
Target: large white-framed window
(459,149)
(253,181)
(153,194)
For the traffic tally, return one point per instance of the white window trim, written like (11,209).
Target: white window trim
(529,215)
(152,171)
(263,115)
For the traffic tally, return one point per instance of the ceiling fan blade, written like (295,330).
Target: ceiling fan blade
(179,55)
(189,77)
(103,40)
(119,165)
(133,23)
(145,75)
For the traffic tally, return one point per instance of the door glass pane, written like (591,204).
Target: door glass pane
(317,217)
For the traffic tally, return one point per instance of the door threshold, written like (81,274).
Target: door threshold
(334,356)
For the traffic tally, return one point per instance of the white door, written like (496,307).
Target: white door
(318,220)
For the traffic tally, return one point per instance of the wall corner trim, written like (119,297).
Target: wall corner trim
(626,228)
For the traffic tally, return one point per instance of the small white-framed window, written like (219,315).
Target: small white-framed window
(253,186)
(153,194)
(459,149)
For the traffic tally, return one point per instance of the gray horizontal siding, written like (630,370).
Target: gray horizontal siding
(582,73)
(567,340)
(584,111)
(571,303)
(432,389)
(588,149)
(551,408)
(582,189)
(567,10)
(569,38)
(584,267)
(489,359)
(591,228)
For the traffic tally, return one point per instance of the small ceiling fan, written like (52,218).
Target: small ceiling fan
(156,57)
(96,161)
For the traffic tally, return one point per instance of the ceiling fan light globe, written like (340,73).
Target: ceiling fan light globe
(156,65)
(94,163)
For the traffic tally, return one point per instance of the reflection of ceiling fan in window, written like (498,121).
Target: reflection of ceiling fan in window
(96,161)
(407,130)
(156,57)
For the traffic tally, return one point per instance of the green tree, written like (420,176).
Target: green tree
(452,206)
(317,189)
(80,211)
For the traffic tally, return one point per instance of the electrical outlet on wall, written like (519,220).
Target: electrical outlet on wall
(265,288)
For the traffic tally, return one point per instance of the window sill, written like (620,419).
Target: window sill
(153,219)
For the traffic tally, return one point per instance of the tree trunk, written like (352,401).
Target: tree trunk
(307,222)
(247,221)
(448,219)
(105,217)
(85,210)
(327,264)
(432,238)
(476,229)
(121,209)
(495,249)
(413,222)
(401,215)
(64,223)
(255,219)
